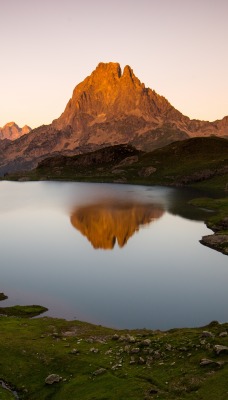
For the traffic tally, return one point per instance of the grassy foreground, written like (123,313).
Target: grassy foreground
(93,362)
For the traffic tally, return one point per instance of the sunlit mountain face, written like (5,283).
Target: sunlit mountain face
(106,223)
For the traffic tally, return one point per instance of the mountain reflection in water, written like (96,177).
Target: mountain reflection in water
(107,222)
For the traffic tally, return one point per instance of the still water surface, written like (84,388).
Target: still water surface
(118,255)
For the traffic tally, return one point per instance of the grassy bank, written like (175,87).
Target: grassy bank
(93,362)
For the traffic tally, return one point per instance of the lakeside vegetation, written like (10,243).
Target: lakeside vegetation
(201,161)
(50,358)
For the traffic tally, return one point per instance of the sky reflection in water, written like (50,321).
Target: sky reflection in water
(158,276)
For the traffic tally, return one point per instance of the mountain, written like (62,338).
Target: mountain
(109,107)
(12,131)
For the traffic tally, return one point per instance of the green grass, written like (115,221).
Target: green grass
(33,349)
(23,311)
(220,208)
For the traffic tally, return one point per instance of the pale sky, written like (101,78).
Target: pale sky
(179,48)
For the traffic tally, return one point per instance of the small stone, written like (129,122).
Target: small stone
(115,337)
(168,347)
(141,360)
(108,352)
(52,379)
(135,350)
(146,342)
(116,366)
(157,354)
(207,334)
(99,371)
(220,349)
(127,349)
(223,334)
(123,338)
(74,351)
(131,339)
(205,361)
(94,350)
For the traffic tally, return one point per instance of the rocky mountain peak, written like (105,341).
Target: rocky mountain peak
(109,107)
(12,131)
(108,69)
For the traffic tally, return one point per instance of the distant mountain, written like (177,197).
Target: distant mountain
(12,131)
(109,107)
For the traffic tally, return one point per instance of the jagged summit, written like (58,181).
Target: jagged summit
(12,131)
(108,93)
(111,106)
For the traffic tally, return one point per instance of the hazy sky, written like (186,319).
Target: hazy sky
(177,47)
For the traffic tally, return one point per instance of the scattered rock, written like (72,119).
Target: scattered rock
(117,171)
(168,347)
(135,350)
(146,342)
(205,361)
(207,334)
(132,360)
(141,360)
(128,161)
(74,351)
(52,379)
(94,350)
(108,352)
(220,349)
(123,338)
(99,371)
(147,171)
(115,337)
(116,366)
(131,339)
(69,333)
(223,334)
(157,354)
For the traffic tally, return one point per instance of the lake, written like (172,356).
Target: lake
(122,256)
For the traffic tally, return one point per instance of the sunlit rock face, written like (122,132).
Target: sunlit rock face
(104,224)
(111,106)
(12,131)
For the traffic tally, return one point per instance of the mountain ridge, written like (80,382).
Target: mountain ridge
(109,107)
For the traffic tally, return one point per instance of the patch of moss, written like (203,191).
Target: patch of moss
(23,311)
